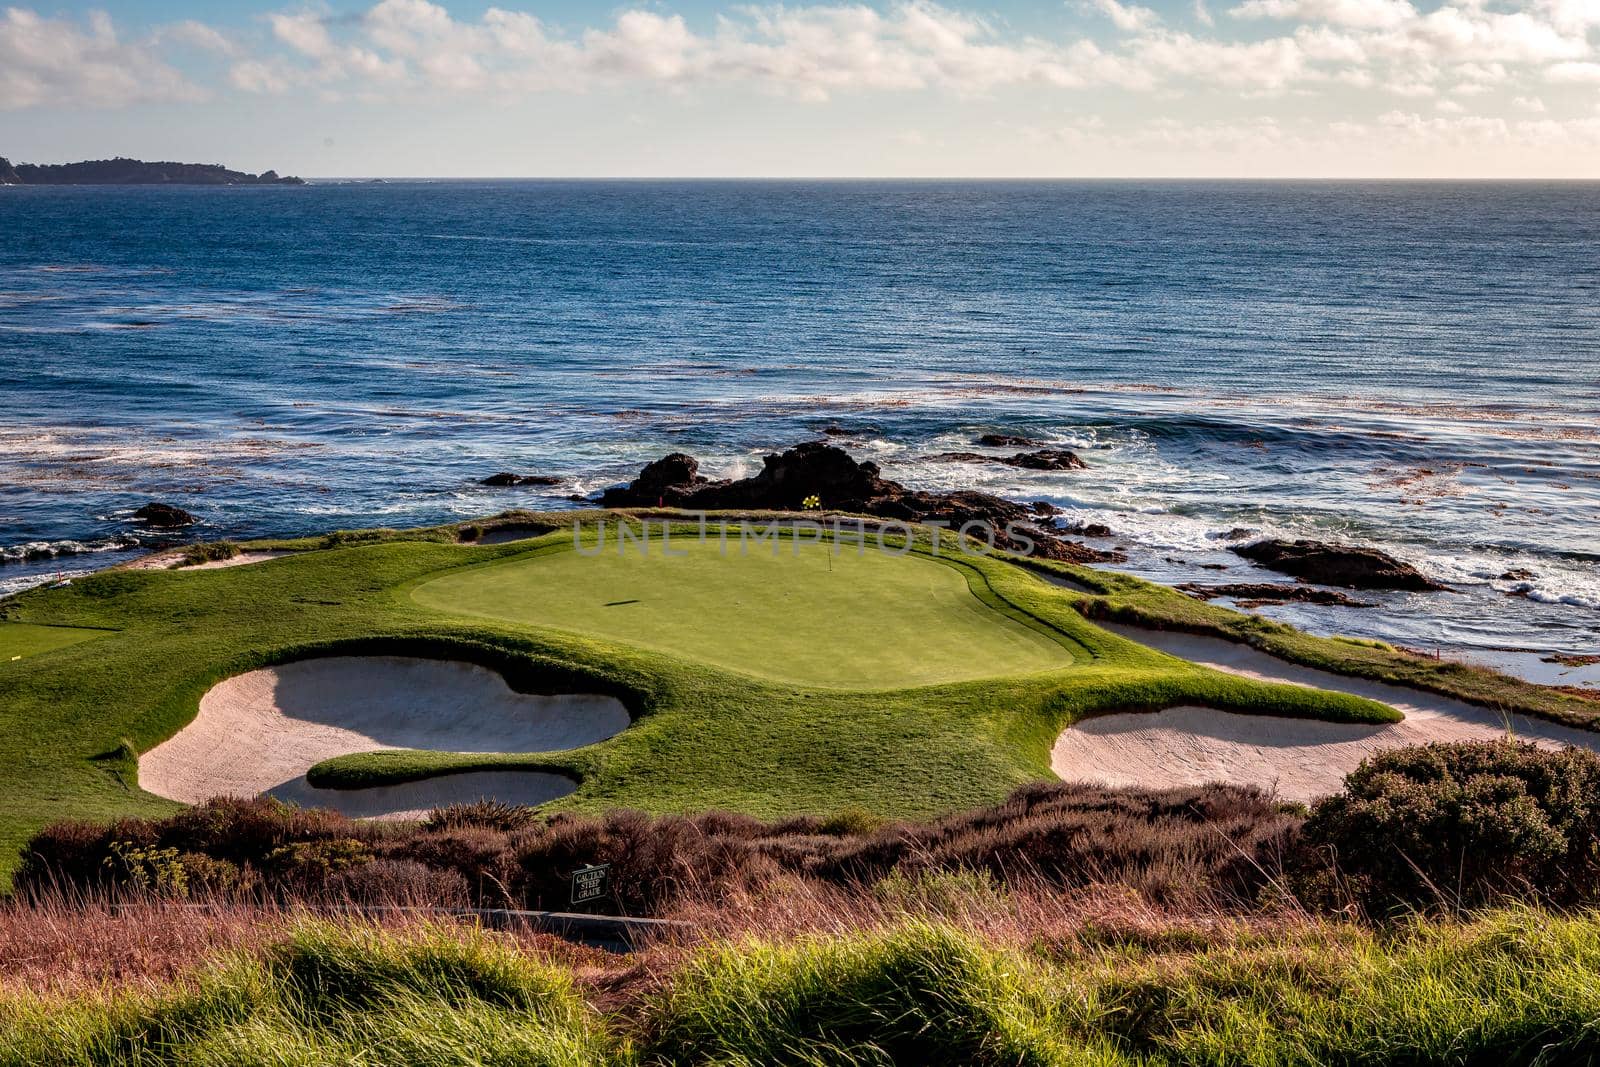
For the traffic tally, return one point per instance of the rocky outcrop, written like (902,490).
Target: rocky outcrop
(841,483)
(1045,459)
(122,171)
(1006,440)
(1351,566)
(1256,593)
(506,479)
(164,517)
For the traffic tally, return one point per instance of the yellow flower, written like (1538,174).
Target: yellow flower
(812,502)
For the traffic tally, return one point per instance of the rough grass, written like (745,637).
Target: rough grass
(72,720)
(1510,989)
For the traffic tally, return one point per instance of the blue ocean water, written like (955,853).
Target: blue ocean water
(1412,365)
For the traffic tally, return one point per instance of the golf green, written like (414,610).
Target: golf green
(871,620)
(20,640)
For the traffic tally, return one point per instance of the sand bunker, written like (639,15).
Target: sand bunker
(260,732)
(1299,759)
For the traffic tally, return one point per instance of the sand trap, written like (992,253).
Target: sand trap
(260,732)
(1299,759)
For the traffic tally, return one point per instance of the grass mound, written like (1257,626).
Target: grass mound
(329,995)
(920,994)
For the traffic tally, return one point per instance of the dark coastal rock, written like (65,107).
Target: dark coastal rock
(1519,574)
(831,474)
(506,478)
(1351,566)
(1047,459)
(1238,533)
(164,516)
(1271,593)
(1006,440)
(1090,529)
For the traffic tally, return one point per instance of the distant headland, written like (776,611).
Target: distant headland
(133,172)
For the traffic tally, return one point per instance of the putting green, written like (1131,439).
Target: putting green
(19,640)
(872,621)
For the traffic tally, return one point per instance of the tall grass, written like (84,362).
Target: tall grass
(935,969)
(327,994)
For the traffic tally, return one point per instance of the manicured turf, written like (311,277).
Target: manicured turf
(785,612)
(705,736)
(20,640)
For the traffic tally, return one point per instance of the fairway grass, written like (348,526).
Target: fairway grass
(786,612)
(20,640)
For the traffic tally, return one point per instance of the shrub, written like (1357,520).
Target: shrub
(398,882)
(306,866)
(489,814)
(653,860)
(209,552)
(1457,825)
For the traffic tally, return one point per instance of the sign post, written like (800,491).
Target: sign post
(591,883)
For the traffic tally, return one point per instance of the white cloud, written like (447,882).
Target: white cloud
(195,35)
(59,62)
(1129,17)
(1585,73)
(1531,104)
(1356,14)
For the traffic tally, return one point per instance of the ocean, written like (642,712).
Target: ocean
(1414,366)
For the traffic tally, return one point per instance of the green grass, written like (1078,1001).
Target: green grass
(1509,989)
(706,735)
(789,612)
(20,640)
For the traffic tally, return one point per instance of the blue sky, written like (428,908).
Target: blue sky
(1251,88)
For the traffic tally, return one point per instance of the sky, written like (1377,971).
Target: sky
(655,88)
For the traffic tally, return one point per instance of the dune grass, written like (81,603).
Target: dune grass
(1512,989)
(73,719)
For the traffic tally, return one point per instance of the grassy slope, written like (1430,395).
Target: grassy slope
(1507,989)
(70,720)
